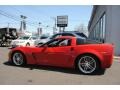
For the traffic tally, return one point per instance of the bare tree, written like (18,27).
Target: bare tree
(82,28)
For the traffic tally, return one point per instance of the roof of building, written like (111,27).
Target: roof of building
(92,15)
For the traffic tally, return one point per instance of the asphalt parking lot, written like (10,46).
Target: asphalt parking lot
(41,75)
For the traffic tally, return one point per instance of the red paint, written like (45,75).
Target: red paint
(65,56)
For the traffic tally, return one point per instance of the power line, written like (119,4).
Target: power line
(3,13)
(16,9)
(8,15)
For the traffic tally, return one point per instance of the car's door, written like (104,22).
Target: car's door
(43,55)
(60,54)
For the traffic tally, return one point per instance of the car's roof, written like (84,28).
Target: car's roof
(69,32)
(65,37)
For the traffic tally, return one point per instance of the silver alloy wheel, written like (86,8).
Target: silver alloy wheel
(87,64)
(18,59)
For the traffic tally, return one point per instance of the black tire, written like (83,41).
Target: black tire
(88,64)
(16,61)
(28,44)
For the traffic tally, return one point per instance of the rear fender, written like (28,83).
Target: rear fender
(94,53)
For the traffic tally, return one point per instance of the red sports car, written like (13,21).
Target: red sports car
(69,52)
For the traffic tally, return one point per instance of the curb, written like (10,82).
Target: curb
(116,57)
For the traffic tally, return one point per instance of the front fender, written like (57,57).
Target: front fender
(27,53)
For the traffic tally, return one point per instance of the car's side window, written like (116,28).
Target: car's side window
(65,42)
(33,38)
(58,43)
(80,41)
(54,43)
(43,37)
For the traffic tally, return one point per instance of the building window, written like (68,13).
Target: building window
(98,32)
(104,23)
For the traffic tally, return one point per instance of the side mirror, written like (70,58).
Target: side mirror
(63,44)
(45,46)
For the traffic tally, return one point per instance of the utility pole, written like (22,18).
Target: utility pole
(55,24)
(23,23)
(8,28)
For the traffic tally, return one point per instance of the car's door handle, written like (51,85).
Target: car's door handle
(72,49)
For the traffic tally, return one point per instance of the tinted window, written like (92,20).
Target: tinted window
(33,38)
(43,37)
(24,37)
(53,43)
(80,41)
(57,43)
(65,42)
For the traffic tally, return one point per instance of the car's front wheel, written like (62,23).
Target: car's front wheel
(27,44)
(18,59)
(88,64)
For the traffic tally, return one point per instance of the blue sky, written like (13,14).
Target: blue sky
(77,14)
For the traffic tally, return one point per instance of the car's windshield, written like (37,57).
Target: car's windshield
(24,37)
(43,37)
(33,38)
(57,42)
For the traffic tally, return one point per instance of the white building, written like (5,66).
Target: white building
(104,25)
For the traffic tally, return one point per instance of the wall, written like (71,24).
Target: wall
(112,24)
(115,28)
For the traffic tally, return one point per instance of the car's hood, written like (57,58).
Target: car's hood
(17,40)
(28,49)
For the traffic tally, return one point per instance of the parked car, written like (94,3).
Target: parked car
(42,39)
(70,33)
(69,52)
(7,35)
(24,41)
(65,33)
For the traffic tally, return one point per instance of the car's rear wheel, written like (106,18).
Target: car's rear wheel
(18,59)
(88,64)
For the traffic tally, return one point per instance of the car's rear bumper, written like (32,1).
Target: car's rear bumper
(107,60)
